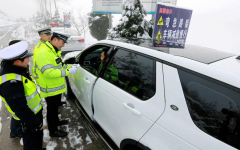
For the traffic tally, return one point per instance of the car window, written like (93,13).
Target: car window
(90,59)
(133,73)
(214,108)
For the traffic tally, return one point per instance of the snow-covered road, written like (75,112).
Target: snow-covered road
(80,136)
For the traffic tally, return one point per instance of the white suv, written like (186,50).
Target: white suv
(184,99)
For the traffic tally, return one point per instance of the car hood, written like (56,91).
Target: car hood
(71,55)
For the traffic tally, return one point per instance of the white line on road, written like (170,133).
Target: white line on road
(4,35)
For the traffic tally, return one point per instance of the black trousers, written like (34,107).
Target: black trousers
(52,112)
(32,139)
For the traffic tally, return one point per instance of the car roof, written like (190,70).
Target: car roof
(226,76)
(197,53)
(231,64)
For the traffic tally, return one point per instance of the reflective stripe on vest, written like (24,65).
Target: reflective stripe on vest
(32,96)
(39,45)
(50,66)
(63,73)
(5,78)
(52,89)
(35,70)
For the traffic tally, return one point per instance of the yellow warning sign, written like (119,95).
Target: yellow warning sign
(159,35)
(160,22)
(158,42)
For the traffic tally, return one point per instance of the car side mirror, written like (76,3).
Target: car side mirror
(70,61)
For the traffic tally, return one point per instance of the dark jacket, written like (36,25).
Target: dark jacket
(14,94)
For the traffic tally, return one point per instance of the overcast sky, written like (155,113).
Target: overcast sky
(214,23)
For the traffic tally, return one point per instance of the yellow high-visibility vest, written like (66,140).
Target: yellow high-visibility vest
(30,89)
(37,48)
(51,71)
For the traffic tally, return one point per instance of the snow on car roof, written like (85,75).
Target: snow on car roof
(197,53)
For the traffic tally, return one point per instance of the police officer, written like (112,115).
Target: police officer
(19,94)
(52,72)
(14,133)
(45,35)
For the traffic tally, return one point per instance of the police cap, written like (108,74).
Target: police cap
(46,30)
(15,51)
(62,36)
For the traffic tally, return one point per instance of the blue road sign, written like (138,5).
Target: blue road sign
(171,26)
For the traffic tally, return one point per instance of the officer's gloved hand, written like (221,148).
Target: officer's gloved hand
(75,65)
(72,70)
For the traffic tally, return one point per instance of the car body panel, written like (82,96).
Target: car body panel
(82,83)
(113,115)
(179,123)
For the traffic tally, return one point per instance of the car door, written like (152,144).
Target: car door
(84,79)
(127,108)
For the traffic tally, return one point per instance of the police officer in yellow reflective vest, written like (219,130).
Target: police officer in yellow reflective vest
(19,94)
(52,71)
(45,35)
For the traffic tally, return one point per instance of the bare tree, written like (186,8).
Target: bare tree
(79,21)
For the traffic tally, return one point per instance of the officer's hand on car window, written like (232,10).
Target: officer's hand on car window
(72,70)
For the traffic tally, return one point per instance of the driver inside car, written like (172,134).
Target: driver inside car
(111,73)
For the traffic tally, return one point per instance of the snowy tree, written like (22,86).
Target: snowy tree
(132,24)
(47,19)
(56,18)
(98,25)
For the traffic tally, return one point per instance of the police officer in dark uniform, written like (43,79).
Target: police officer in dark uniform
(14,133)
(19,94)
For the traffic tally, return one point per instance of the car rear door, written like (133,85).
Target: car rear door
(126,109)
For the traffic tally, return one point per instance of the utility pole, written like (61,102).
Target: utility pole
(110,20)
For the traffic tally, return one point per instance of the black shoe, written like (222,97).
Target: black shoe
(58,133)
(62,103)
(62,122)
(15,136)
(44,149)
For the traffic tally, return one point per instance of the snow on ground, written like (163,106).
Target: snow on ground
(25,33)
(4,20)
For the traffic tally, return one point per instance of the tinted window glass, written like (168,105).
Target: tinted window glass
(214,107)
(136,74)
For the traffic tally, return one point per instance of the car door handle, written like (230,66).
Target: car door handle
(86,80)
(130,107)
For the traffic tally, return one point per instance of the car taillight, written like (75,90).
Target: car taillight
(81,41)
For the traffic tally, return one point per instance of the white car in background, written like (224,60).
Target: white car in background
(185,99)
(74,43)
